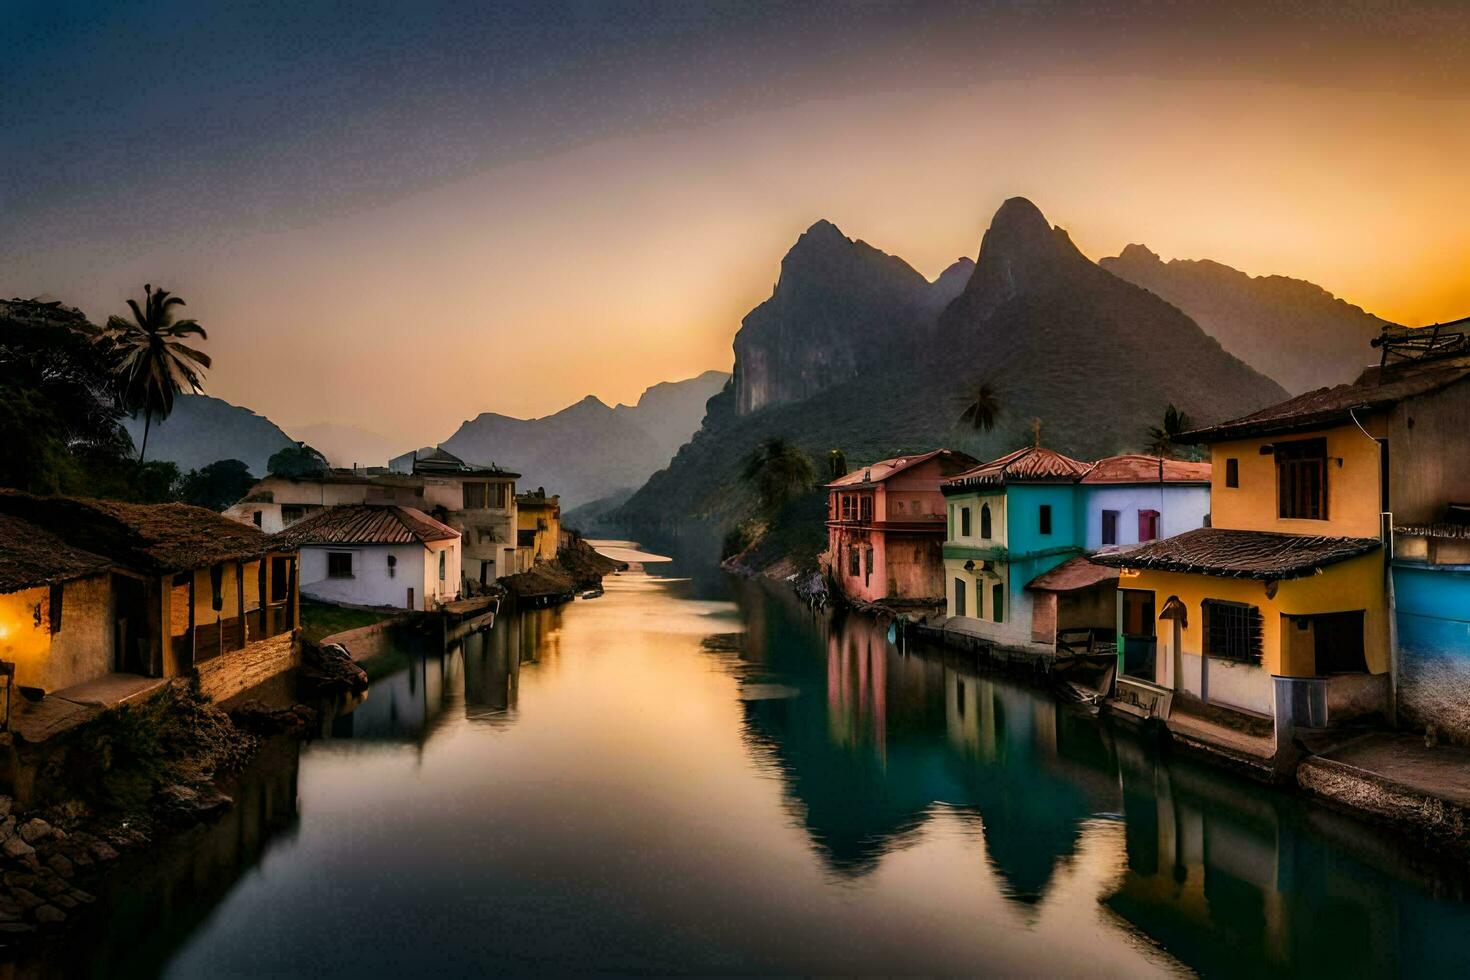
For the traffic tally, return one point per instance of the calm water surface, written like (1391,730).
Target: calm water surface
(679,777)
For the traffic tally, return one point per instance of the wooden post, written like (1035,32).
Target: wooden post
(240,600)
(193,625)
(293,596)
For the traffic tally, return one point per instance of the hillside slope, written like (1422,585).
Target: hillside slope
(203,429)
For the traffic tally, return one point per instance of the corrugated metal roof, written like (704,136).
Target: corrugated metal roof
(367,524)
(1030,465)
(1138,468)
(885,469)
(1240,554)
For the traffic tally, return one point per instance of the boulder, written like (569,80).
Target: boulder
(61,864)
(14,847)
(34,830)
(262,719)
(49,914)
(186,804)
(102,851)
(26,898)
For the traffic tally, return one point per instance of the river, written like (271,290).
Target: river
(701,776)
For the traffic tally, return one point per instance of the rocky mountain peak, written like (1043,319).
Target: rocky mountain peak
(1136,254)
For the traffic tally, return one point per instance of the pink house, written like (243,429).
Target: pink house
(886,526)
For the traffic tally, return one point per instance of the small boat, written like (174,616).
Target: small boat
(592,594)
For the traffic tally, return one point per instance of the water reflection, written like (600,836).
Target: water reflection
(637,784)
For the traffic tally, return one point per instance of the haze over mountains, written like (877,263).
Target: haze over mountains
(203,429)
(1292,331)
(844,356)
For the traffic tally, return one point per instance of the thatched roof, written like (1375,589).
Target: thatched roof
(149,538)
(30,557)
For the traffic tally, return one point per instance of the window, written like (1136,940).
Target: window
(476,496)
(442,557)
(998,602)
(868,563)
(1110,527)
(1138,614)
(1232,472)
(866,507)
(854,560)
(339,564)
(1338,643)
(959,597)
(1301,479)
(985,520)
(291,513)
(847,507)
(280,579)
(1148,525)
(257,517)
(1232,631)
(964,522)
(1043,521)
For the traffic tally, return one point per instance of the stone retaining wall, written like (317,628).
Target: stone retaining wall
(239,670)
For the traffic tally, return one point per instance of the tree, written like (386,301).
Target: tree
(58,398)
(217,485)
(153,362)
(1162,438)
(780,472)
(836,464)
(980,407)
(297,461)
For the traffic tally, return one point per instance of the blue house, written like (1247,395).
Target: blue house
(1020,528)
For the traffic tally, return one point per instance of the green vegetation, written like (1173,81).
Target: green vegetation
(297,461)
(150,359)
(217,485)
(1162,439)
(320,620)
(780,472)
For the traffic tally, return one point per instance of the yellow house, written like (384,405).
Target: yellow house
(538,527)
(1278,609)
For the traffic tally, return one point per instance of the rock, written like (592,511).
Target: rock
(186,804)
(59,834)
(26,898)
(19,879)
(64,901)
(61,865)
(7,827)
(16,928)
(31,860)
(331,668)
(77,895)
(262,719)
(5,804)
(102,851)
(34,830)
(49,914)
(15,847)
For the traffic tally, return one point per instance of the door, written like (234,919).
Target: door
(410,597)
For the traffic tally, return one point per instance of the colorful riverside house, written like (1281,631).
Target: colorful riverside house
(1282,608)
(1020,529)
(885,528)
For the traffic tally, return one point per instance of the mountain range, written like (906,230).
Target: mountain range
(844,355)
(203,429)
(1293,331)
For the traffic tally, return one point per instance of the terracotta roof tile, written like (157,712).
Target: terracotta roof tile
(1138,468)
(1073,574)
(366,524)
(1030,465)
(885,469)
(1240,554)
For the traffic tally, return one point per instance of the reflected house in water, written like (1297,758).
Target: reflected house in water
(877,744)
(474,679)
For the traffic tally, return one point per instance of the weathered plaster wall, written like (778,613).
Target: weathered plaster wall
(82,650)
(1433,606)
(1181,508)
(372,583)
(239,670)
(1353,499)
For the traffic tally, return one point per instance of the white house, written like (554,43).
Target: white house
(377,555)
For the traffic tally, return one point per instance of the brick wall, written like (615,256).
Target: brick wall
(230,673)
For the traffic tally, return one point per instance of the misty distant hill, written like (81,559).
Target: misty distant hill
(1095,358)
(202,429)
(590,450)
(1290,330)
(348,445)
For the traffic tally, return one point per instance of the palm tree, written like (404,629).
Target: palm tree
(1161,439)
(981,407)
(780,471)
(153,362)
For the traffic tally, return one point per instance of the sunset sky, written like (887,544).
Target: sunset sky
(397,216)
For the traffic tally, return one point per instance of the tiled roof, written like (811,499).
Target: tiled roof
(886,468)
(30,556)
(1240,554)
(1137,468)
(153,538)
(1376,388)
(1073,574)
(367,524)
(1030,465)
